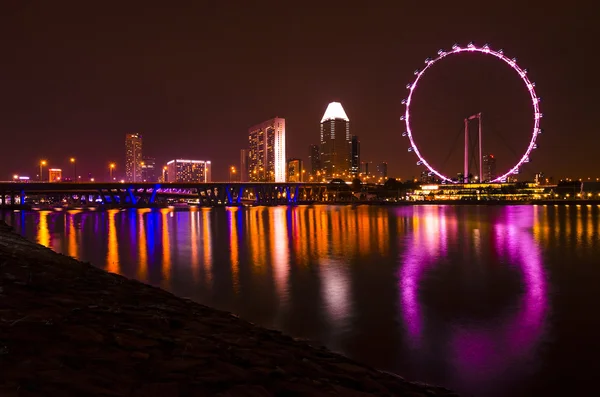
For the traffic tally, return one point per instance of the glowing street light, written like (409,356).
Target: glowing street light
(232,171)
(42,164)
(111,167)
(74,168)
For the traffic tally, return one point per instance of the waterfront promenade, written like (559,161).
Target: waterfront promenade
(71,329)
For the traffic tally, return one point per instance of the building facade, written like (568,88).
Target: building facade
(489,167)
(295,170)
(314,156)
(54,175)
(133,158)
(335,141)
(355,156)
(382,170)
(188,171)
(149,169)
(244,165)
(266,152)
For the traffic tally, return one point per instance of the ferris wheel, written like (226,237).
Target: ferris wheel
(486,50)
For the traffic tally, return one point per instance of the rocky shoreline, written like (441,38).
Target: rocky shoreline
(68,328)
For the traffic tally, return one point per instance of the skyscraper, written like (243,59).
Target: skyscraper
(382,170)
(355,159)
(489,167)
(266,154)
(188,171)
(244,165)
(295,170)
(133,157)
(335,141)
(315,159)
(149,169)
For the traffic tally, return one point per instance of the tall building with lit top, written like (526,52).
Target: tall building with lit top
(295,170)
(489,167)
(133,157)
(266,151)
(54,175)
(188,171)
(335,141)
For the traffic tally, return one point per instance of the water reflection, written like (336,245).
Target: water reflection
(454,295)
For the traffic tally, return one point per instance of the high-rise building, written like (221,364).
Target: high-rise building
(315,159)
(489,167)
(382,170)
(149,169)
(244,165)
(54,175)
(266,154)
(355,158)
(188,171)
(364,168)
(295,170)
(335,141)
(133,157)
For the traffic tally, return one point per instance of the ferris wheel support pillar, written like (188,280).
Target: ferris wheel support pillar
(480,150)
(466,168)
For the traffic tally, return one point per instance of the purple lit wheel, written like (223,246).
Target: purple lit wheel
(483,50)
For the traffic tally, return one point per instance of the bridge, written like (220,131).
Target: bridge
(20,194)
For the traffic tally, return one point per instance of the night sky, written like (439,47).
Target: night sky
(75,77)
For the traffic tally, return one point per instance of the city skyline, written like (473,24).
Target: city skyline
(87,96)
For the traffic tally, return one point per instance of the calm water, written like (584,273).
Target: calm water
(489,301)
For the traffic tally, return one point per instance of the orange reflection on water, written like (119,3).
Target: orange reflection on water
(234,248)
(72,246)
(142,245)
(166,247)
(255,238)
(43,235)
(194,240)
(207,247)
(112,255)
(280,252)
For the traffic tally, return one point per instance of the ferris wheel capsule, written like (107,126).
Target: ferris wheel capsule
(470,45)
(440,51)
(486,46)
(500,51)
(408,86)
(455,46)
(419,162)
(417,71)
(402,118)
(410,149)
(404,101)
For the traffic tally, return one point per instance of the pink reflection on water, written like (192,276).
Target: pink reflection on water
(480,352)
(429,241)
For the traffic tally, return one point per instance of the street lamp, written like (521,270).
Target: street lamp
(42,164)
(74,169)
(164,178)
(111,167)
(231,172)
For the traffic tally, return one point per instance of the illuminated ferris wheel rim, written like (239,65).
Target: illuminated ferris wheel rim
(456,49)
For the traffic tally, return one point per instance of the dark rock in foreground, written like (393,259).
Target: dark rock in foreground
(70,329)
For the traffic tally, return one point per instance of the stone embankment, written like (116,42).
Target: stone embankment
(70,329)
